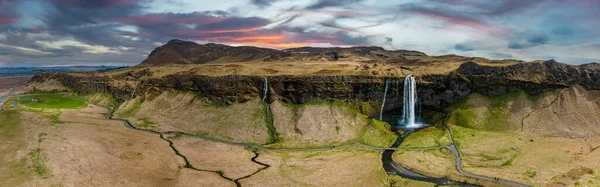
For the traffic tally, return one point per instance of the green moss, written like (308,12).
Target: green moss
(377,133)
(97,97)
(132,110)
(433,117)
(273,135)
(462,135)
(493,118)
(428,137)
(531,174)
(38,159)
(145,123)
(510,161)
(51,101)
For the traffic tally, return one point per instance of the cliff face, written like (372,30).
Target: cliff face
(490,79)
(435,91)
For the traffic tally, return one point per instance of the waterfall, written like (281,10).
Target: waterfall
(133,93)
(265,89)
(387,82)
(410,99)
(273,135)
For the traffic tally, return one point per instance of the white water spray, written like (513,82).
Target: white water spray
(410,100)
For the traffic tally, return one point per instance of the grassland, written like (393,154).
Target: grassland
(343,167)
(15,167)
(378,134)
(51,101)
(539,161)
(428,137)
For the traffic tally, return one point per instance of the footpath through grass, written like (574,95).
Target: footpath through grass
(51,101)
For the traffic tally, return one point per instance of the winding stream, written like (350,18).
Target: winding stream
(393,168)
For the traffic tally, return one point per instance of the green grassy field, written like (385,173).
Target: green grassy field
(51,101)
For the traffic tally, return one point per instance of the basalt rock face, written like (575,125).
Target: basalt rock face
(531,77)
(87,84)
(435,91)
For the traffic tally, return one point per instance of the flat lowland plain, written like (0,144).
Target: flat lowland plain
(9,82)
(51,101)
(79,147)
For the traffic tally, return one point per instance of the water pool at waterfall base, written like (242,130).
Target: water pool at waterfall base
(395,119)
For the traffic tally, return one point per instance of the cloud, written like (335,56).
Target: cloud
(515,46)
(125,31)
(24,50)
(531,40)
(8,18)
(562,31)
(4,58)
(538,40)
(463,47)
(501,55)
(262,3)
(88,49)
(451,16)
(320,4)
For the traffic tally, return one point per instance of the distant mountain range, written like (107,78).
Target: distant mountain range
(23,71)
(185,52)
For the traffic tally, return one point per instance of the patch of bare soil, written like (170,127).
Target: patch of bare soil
(575,113)
(87,150)
(234,161)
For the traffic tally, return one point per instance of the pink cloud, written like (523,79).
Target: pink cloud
(8,18)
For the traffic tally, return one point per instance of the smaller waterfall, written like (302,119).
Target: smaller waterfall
(273,135)
(134,88)
(387,82)
(410,100)
(265,89)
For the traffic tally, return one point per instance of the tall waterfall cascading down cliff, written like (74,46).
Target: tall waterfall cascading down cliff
(265,89)
(410,102)
(387,82)
(410,109)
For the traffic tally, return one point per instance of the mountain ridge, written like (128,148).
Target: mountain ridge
(186,52)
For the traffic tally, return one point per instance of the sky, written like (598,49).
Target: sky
(124,32)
